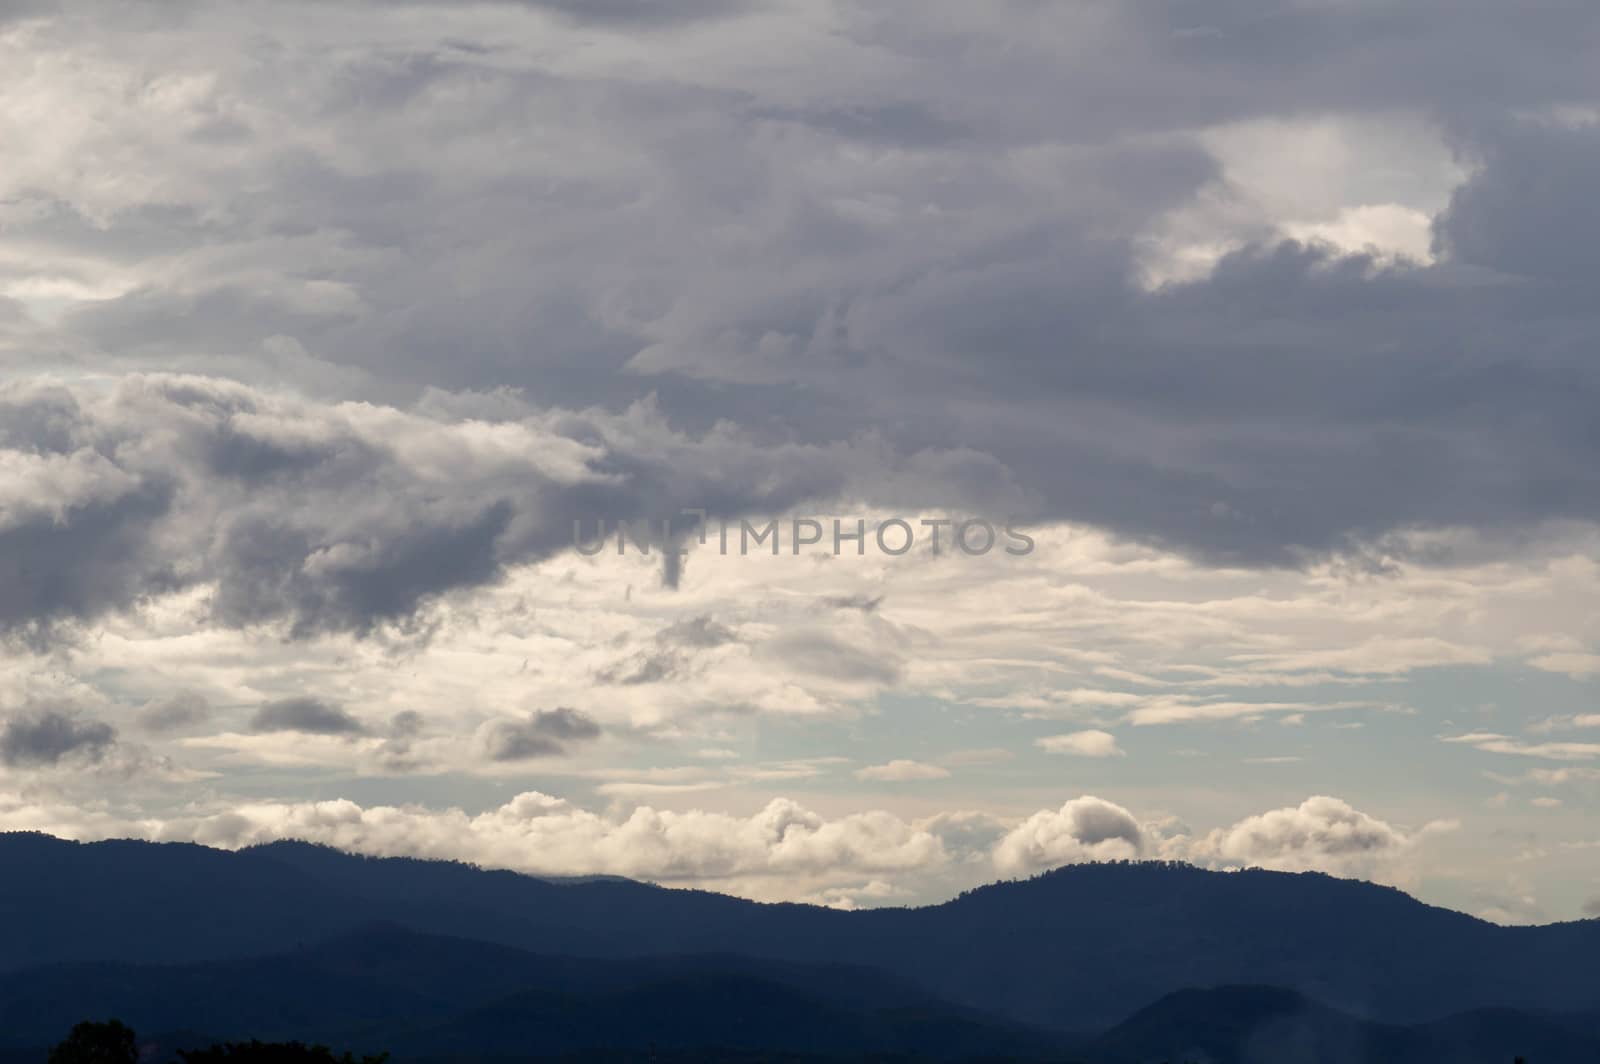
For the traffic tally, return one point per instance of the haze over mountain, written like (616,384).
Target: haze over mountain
(1267,1025)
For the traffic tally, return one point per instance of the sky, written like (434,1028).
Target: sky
(330,333)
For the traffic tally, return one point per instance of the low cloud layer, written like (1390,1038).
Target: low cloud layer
(784,851)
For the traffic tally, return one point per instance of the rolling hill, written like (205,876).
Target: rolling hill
(1076,950)
(386,987)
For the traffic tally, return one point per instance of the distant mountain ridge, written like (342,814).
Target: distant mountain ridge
(388,988)
(1076,950)
(425,998)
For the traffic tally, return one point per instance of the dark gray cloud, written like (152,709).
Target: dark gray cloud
(752,292)
(77,535)
(544,733)
(1522,213)
(100,555)
(322,519)
(182,709)
(263,577)
(312,716)
(49,737)
(1591,908)
(1094,822)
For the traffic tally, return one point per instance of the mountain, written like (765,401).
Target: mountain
(1078,949)
(424,996)
(1268,1025)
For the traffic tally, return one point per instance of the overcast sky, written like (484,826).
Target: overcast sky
(1271,323)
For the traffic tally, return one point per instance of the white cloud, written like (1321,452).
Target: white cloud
(901,771)
(1321,833)
(1083,829)
(1579,666)
(1090,743)
(781,852)
(1495,743)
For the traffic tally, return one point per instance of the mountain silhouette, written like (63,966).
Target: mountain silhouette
(1075,950)
(384,986)
(426,998)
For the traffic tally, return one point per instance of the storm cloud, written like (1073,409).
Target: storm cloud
(325,518)
(1296,399)
(324,325)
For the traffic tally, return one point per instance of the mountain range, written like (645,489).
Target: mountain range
(1112,963)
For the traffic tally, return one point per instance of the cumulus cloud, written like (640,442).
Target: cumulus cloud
(1083,829)
(779,850)
(1090,743)
(782,852)
(1320,833)
(968,837)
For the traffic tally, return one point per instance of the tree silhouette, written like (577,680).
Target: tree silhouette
(111,1042)
(254,1052)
